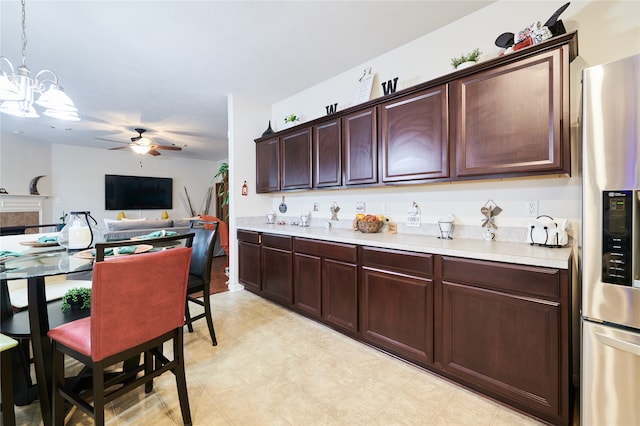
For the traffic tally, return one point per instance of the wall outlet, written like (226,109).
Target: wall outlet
(532,208)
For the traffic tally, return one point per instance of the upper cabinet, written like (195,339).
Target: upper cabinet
(268,165)
(513,119)
(414,136)
(295,153)
(501,118)
(360,147)
(327,153)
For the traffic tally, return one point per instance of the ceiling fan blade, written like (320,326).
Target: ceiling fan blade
(118,147)
(153,152)
(111,140)
(167,147)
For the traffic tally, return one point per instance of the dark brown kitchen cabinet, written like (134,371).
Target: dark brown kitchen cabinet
(327,154)
(506,332)
(295,154)
(513,119)
(249,264)
(397,302)
(268,165)
(326,282)
(277,269)
(360,140)
(414,136)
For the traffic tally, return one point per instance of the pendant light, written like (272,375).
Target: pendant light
(18,90)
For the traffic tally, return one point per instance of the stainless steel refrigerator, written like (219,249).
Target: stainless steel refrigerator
(610,254)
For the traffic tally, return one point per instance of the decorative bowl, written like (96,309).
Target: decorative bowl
(369,227)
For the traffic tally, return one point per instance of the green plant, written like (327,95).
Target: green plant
(63,218)
(291,118)
(223,191)
(471,56)
(76,295)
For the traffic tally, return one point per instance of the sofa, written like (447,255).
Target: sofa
(125,229)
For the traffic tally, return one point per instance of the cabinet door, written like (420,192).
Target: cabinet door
(296,160)
(414,136)
(508,345)
(509,119)
(267,166)
(340,294)
(360,147)
(307,276)
(276,275)
(397,313)
(327,154)
(249,265)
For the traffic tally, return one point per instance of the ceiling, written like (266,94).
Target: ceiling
(167,66)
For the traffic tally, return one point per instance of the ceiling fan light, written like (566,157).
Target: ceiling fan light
(62,115)
(55,98)
(140,149)
(18,109)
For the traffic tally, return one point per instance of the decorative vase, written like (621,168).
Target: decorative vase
(465,65)
(268,131)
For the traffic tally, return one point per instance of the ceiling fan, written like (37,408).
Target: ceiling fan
(141,145)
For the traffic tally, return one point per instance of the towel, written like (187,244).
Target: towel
(158,234)
(5,253)
(48,239)
(223,231)
(118,250)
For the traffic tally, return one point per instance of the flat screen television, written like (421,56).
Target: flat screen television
(137,193)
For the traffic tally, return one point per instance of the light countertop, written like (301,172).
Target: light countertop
(499,251)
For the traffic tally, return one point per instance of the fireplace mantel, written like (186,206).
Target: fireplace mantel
(21,209)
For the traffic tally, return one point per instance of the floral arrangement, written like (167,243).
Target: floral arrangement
(469,57)
(291,118)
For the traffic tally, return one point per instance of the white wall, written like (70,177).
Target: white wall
(78,180)
(606,31)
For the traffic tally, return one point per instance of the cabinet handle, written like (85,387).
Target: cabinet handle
(622,345)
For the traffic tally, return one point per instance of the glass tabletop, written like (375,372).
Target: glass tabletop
(43,265)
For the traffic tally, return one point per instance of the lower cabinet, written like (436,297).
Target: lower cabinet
(501,329)
(276,268)
(505,333)
(250,266)
(326,282)
(397,302)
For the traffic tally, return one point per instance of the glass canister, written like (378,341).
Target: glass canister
(80,233)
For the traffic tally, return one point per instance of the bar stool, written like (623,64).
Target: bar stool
(6,386)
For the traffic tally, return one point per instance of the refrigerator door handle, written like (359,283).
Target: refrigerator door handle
(622,345)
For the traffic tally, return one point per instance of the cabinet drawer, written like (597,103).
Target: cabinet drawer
(276,241)
(403,262)
(249,236)
(344,252)
(531,280)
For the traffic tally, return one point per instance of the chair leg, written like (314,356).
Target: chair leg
(6,385)
(208,315)
(181,381)
(98,393)
(148,368)
(187,316)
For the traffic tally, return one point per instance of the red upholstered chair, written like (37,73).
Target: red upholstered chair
(137,304)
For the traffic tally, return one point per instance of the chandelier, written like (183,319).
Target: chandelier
(18,89)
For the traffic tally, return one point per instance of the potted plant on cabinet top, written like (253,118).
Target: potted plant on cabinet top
(467,60)
(76,298)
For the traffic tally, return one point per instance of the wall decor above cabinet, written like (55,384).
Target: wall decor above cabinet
(466,125)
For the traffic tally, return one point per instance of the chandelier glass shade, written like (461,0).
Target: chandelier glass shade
(139,148)
(18,90)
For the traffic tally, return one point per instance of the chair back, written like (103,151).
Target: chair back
(137,298)
(204,242)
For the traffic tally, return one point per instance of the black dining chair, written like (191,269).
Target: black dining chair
(200,273)
(137,304)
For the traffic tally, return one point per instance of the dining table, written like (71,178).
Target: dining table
(35,266)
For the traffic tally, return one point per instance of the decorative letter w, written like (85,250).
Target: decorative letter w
(390,86)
